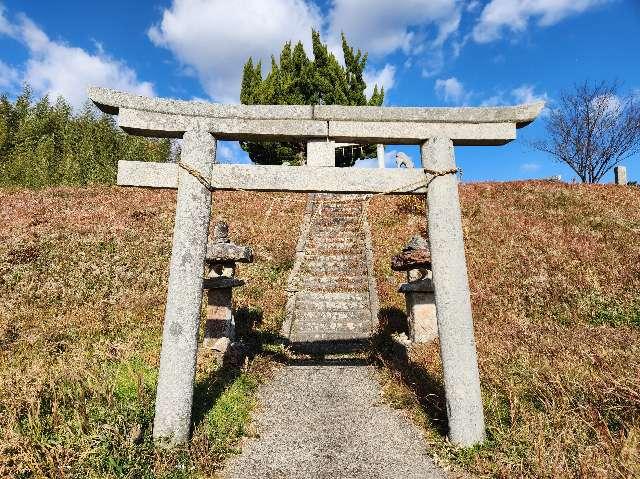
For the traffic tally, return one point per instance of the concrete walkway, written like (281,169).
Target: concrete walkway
(327,420)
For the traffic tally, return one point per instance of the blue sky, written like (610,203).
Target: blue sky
(425,52)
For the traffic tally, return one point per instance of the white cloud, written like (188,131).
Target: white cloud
(522,94)
(384,77)
(527,94)
(495,100)
(258,29)
(530,167)
(56,69)
(381,27)
(514,15)
(451,90)
(230,152)
(5,27)
(9,77)
(215,38)
(611,103)
(473,6)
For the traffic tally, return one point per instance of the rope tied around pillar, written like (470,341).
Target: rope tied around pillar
(422,183)
(196,174)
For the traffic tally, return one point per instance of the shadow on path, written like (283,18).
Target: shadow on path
(429,390)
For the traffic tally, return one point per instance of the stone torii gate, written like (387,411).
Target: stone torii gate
(436,130)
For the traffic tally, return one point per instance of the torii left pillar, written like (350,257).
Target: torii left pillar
(182,315)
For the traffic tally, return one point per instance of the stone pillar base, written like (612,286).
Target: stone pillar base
(421,311)
(220,323)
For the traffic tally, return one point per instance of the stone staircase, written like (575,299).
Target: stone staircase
(332,303)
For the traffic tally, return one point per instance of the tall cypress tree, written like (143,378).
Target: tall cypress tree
(298,80)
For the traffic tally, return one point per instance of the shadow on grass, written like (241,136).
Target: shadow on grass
(257,340)
(428,389)
(208,390)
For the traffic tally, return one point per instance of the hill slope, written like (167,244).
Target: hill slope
(555,279)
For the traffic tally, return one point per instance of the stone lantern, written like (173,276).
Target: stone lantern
(219,281)
(415,259)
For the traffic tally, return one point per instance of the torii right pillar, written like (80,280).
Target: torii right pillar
(453,302)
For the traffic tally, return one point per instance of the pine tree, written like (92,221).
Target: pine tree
(297,80)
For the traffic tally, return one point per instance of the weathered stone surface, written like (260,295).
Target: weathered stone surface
(380,155)
(229,252)
(219,320)
(182,314)
(170,118)
(281,178)
(154,124)
(331,295)
(462,134)
(620,175)
(321,153)
(455,323)
(110,101)
(417,242)
(411,259)
(221,233)
(421,306)
(148,174)
(521,115)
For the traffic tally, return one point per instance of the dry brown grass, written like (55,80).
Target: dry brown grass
(555,276)
(555,284)
(83,276)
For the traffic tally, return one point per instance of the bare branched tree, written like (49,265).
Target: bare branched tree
(593,129)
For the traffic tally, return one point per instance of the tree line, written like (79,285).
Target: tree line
(47,143)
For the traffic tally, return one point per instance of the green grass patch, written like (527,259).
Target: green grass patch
(607,312)
(227,420)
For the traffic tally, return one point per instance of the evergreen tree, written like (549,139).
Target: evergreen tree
(298,80)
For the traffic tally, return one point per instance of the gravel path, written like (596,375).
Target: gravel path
(328,421)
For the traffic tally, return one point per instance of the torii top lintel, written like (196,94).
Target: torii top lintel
(160,117)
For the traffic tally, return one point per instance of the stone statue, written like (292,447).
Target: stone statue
(403,161)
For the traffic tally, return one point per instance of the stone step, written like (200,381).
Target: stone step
(330,244)
(332,287)
(335,227)
(332,301)
(354,316)
(337,235)
(348,328)
(355,245)
(333,270)
(344,229)
(329,215)
(333,278)
(322,307)
(333,336)
(340,208)
(325,245)
(322,262)
(319,251)
(309,256)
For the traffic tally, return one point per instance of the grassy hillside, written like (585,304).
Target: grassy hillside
(555,288)
(555,278)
